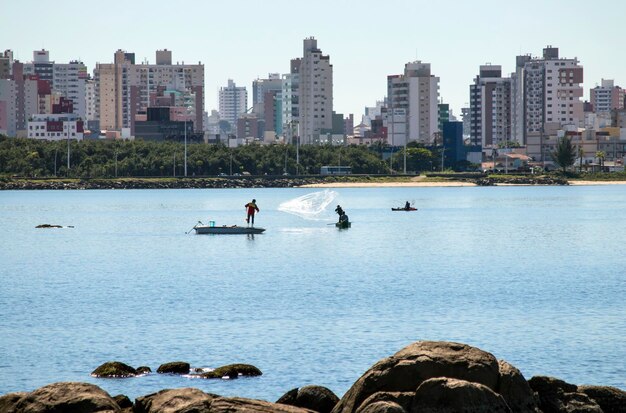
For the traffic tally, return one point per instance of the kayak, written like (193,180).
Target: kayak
(234,229)
(404,209)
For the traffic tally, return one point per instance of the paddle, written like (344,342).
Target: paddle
(194,227)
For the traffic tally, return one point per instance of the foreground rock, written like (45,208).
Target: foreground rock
(610,399)
(174,367)
(557,396)
(317,398)
(397,379)
(114,369)
(193,400)
(61,397)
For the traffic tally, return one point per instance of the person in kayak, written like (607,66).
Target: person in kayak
(252,209)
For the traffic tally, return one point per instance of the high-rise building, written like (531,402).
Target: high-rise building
(124,88)
(291,101)
(6,62)
(546,94)
(315,93)
(413,101)
(606,97)
(490,107)
(266,99)
(19,100)
(233,102)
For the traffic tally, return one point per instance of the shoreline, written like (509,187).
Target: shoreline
(421,183)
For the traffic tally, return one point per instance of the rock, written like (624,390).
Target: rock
(175,367)
(443,395)
(114,369)
(317,398)
(173,401)
(232,371)
(48,226)
(382,407)
(420,361)
(123,401)
(402,399)
(8,400)
(558,396)
(610,399)
(65,397)
(242,405)
(144,370)
(514,388)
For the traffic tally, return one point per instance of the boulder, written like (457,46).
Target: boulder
(402,399)
(8,400)
(443,395)
(114,369)
(418,362)
(317,398)
(65,397)
(514,388)
(186,400)
(382,407)
(123,401)
(243,405)
(557,396)
(610,399)
(174,367)
(144,370)
(232,371)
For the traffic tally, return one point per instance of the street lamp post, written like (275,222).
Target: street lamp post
(68,147)
(185,146)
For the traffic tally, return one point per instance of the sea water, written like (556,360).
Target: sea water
(534,275)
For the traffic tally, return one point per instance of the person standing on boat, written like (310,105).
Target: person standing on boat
(252,209)
(407,206)
(340,212)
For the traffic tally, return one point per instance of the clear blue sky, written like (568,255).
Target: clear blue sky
(366,40)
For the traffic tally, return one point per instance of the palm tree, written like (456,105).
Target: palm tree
(564,155)
(601,156)
(581,153)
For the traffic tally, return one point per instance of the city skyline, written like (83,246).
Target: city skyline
(366,41)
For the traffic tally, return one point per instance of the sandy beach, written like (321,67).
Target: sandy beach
(421,182)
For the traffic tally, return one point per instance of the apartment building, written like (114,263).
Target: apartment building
(290,101)
(546,94)
(124,88)
(413,100)
(19,100)
(315,93)
(606,97)
(233,102)
(490,107)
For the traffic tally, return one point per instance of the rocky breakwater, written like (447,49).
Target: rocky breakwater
(520,180)
(424,377)
(164,183)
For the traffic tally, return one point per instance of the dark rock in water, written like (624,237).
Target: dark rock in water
(610,399)
(452,395)
(48,226)
(114,369)
(558,396)
(174,400)
(144,370)
(174,367)
(515,389)
(64,397)
(123,401)
(420,361)
(317,398)
(232,371)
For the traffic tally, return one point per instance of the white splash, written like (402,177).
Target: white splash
(309,206)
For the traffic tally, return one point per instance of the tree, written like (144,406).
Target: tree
(581,153)
(564,155)
(601,156)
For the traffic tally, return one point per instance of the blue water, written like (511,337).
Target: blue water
(534,275)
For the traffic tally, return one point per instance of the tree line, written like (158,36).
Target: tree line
(139,158)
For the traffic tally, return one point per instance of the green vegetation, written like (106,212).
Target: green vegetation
(138,158)
(565,154)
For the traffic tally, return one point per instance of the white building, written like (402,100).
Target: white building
(55,127)
(417,93)
(233,102)
(547,94)
(315,93)
(606,97)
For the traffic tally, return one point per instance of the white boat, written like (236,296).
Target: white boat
(233,229)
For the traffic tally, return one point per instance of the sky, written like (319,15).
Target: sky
(367,40)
